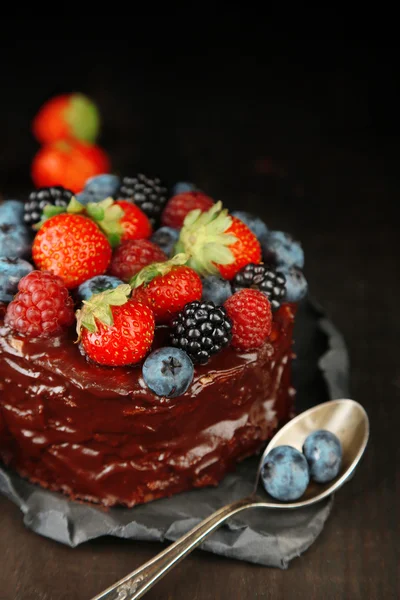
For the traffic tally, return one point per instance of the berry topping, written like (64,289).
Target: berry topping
(201,329)
(296,285)
(323,452)
(255,224)
(115,330)
(135,224)
(216,289)
(96,285)
(11,271)
(150,195)
(262,278)
(42,306)
(11,212)
(99,188)
(131,256)
(67,116)
(285,473)
(15,240)
(167,287)
(181,187)
(250,312)
(282,250)
(38,199)
(165,238)
(179,206)
(214,241)
(168,372)
(68,163)
(73,247)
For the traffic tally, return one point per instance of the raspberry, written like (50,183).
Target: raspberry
(179,206)
(131,256)
(42,306)
(251,315)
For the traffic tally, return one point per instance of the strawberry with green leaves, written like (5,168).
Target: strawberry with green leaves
(217,242)
(166,287)
(76,245)
(114,329)
(76,242)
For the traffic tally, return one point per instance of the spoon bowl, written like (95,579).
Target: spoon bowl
(345,418)
(348,420)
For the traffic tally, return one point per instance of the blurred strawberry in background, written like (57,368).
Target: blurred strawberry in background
(68,163)
(67,116)
(67,126)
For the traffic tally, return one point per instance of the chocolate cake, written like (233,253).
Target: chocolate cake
(98,433)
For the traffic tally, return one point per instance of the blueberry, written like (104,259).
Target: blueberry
(11,212)
(97,284)
(168,372)
(282,250)
(165,238)
(11,271)
(98,188)
(323,452)
(254,223)
(15,240)
(183,186)
(216,289)
(296,284)
(285,473)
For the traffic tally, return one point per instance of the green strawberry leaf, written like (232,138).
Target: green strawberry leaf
(75,207)
(98,308)
(108,217)
(205,240)
(48,212)
(148,273)
(83,117)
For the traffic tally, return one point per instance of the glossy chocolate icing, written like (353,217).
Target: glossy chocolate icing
(100,434)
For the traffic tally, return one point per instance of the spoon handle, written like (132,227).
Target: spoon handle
(137,583)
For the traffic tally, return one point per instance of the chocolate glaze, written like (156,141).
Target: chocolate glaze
(100,434)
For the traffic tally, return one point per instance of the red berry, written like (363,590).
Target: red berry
(180,205)
(167,294)
(127,341)
(42,306)
(72,247)
(251,315)
(131,256)
(246,250)
(68,163)
(135,224)
(66,116)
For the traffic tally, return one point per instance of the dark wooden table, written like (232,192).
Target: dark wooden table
(305,156)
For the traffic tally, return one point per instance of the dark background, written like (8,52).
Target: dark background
(305,133)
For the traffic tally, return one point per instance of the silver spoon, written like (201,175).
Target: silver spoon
(345,418)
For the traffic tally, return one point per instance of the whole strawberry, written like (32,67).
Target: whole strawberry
(167,287)
(42,306)
(251,316)
(132,255)
(180,205)
(68,163)
(115,330)
(135,224)
(72,247)
(216,241)
(67,116)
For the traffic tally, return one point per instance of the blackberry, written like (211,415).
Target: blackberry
(150,195)
(263,278)
(38,199)
(201,330)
